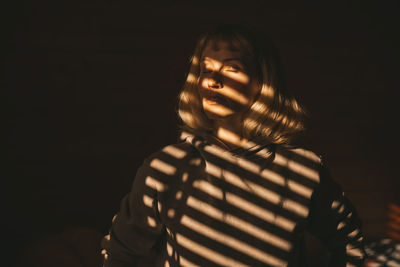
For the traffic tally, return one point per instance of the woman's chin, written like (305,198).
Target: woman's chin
(217,110)
(218,114)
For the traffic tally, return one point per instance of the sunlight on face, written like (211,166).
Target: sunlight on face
(226,84)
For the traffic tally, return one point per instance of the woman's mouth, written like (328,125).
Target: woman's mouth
(214,99)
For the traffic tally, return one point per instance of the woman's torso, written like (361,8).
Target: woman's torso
(224,208)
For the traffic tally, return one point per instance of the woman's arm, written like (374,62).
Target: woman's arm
(334,221)
(136,227)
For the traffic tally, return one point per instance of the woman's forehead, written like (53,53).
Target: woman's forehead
(217,48)
(220,54)
(221,50)
(219,43)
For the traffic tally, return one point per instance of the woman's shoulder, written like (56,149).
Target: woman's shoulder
(304,163)
(172,156)
(298,153)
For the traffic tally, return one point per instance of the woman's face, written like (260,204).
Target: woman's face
(227,83)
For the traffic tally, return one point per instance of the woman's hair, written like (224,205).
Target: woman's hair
(274,116)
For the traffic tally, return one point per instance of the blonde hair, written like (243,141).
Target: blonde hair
(275,116)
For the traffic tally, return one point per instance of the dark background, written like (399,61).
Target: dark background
(91,86)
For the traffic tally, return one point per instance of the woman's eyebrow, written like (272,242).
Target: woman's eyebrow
(238,61)
(233,59)
(226,60)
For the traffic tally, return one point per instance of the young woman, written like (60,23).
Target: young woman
(234,191)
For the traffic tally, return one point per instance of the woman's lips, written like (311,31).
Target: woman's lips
(214,99)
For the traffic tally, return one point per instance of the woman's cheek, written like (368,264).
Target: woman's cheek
(202,85)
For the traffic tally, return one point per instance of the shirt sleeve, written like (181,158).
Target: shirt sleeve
(137,226)
(333,219)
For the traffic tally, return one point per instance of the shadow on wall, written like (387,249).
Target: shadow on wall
(74,247)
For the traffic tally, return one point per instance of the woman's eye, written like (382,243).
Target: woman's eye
(205,71)
(232,68)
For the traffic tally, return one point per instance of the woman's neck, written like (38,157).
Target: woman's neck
(229,131)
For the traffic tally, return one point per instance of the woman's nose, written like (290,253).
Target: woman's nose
(215,81)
